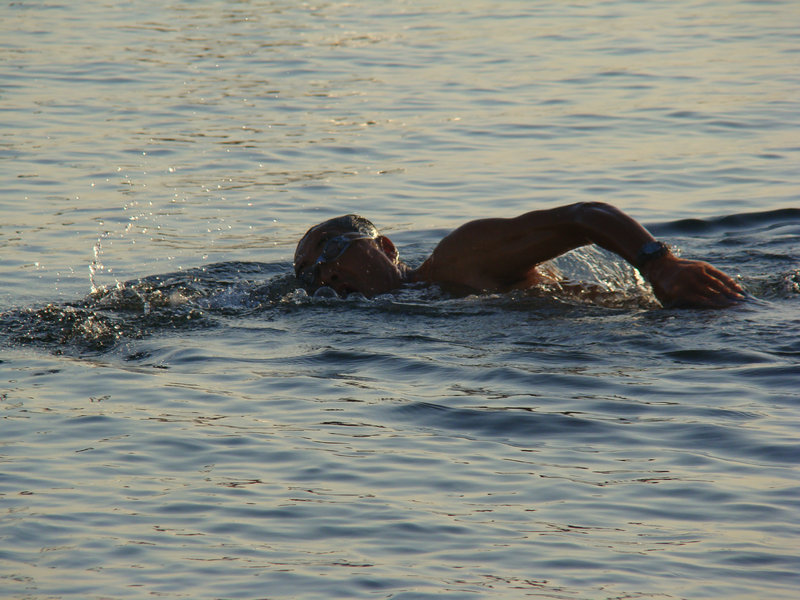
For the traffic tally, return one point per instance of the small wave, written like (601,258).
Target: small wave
(521,424)
(508,422)
(754,220)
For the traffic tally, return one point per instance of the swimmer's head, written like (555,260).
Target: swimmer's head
(349,255)
(344,224)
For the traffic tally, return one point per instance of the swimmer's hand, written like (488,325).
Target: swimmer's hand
(679,282)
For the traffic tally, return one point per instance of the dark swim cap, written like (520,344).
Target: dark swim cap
(347,224)
(340,225)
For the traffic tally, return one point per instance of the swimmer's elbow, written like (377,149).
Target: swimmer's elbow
(588,210)
(591,216)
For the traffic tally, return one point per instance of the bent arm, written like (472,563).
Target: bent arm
(500,254)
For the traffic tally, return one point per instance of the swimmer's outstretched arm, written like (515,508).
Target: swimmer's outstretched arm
(498,254)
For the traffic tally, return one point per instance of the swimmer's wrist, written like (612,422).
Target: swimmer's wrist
(652,268)
(649,252)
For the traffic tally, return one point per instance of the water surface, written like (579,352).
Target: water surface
(179,420)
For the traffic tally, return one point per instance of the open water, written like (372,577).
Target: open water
(177,420)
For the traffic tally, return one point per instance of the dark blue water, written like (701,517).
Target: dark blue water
(178,419)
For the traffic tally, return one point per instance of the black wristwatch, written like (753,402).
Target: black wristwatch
(650,251)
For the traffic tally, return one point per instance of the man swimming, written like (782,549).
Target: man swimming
(349,255)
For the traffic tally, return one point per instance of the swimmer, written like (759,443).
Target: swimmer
(349,255)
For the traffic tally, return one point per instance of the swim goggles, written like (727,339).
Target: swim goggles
(331,251)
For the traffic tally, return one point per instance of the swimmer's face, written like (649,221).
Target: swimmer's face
(347,262)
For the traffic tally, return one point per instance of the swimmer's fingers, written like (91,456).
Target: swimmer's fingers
(727,284)
(707,286)
(722,290)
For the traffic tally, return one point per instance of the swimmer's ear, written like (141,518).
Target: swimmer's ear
(388,248)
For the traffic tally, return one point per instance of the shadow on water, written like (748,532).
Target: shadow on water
(760,246)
